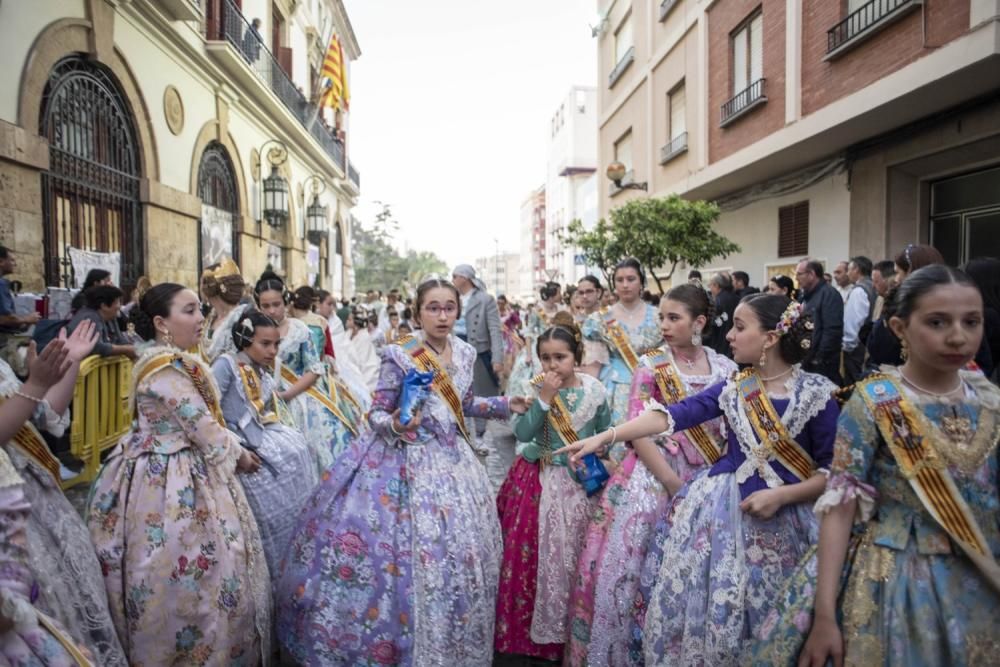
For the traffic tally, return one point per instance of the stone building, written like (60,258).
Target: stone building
(822,128)
(166,131)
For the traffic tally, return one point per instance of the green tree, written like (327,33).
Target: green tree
(599,246)
(663,232)
(377,263)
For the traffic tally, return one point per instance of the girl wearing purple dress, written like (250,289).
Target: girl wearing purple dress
(396,557)
(738,531)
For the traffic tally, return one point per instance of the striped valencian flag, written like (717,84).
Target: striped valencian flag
(333,69)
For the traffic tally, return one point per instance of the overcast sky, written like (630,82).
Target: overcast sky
(450,109)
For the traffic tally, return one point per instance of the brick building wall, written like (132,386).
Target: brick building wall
(723,18)
(885,52)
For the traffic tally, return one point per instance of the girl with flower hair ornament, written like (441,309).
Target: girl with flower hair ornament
(737,531)
(286,476)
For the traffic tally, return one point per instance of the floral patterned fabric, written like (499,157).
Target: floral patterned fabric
(721,568)
(526,364)
(182,559)
(287,477)
(28,642)
(396,557)
(559,517)
(908,595)
(620,529)
(71,588)
(325,434)
(615,373)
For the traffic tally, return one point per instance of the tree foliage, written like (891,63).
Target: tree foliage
(661,232)
(598,246)
(379,266)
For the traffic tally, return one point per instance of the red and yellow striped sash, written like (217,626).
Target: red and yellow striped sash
(616,334)
(906,433)
(289,376)
(770,430)
(442,383)
(558,414)
(672,388)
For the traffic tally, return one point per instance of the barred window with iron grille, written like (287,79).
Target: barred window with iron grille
(91,189)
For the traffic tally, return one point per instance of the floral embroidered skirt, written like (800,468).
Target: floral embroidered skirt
(395,560)
(898,608)
(720,574)
(517,505)
(182,560)
(608,573)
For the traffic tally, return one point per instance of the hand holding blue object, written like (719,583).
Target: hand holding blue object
(416,389)
(592,475)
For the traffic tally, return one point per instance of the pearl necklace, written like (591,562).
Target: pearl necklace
(781,374)
(928,391)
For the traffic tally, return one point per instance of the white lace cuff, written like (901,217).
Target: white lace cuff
(652,405)
(843,488)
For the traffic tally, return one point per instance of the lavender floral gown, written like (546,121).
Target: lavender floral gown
(396,557)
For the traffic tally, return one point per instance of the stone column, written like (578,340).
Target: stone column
(23,158)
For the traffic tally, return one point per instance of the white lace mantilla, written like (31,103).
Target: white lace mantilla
(808,394)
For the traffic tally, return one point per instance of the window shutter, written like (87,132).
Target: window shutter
(793,230)
(740,61)
(678,123)
(756,48)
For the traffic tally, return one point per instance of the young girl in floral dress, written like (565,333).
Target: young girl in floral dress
(329,424)
(617,337)
(279,488)
(543,508)
(183,564)
(639,492)
(907,570)
(396,557)
(738,530)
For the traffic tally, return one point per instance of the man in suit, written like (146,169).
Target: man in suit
(481,330)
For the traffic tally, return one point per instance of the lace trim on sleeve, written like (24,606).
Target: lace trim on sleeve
(652,405)
(842,488)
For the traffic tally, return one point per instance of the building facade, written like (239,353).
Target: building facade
(821,128)
(501,274)
(570,169)
(168,131)
(532,266)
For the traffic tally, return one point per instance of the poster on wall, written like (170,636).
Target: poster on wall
(274,258)
(216,235)
(312,263)
(85,260)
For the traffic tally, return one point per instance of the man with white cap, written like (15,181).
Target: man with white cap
(482,330)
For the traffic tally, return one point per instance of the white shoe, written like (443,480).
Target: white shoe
(66,474)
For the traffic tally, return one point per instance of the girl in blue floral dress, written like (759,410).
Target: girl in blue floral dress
(906,572)
(396,558)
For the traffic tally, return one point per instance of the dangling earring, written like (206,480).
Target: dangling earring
(168,337)
(763,359)
(904,350)
(696,337)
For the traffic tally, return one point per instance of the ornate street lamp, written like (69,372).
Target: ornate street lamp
(274,188)
(616,172)
(316,219)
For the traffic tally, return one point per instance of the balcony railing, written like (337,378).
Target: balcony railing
(231,26)
(622,65)
(353,176)
(674,147)
(866,20)
(665,8)
(752,96)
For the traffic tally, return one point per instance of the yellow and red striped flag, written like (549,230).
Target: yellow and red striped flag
(333,69)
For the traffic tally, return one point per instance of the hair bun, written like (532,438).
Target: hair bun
(142,323)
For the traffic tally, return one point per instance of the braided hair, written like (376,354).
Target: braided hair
(244,329)
(769,309)
(564,329)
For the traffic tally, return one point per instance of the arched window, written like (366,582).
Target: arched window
(91,189)
(220,206)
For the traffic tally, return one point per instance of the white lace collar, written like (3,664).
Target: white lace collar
(221,340)
(298,333)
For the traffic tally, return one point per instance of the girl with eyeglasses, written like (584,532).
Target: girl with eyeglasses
(396,557)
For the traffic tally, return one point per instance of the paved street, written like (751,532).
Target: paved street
(500,440)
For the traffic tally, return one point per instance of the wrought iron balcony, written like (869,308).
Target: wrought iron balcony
(674,147)
(232,27)
(665,8)
(864,22)
(745,100)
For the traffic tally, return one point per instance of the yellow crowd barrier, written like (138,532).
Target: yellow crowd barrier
(100,412)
